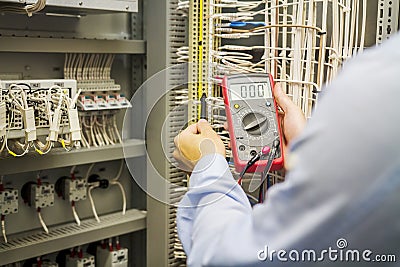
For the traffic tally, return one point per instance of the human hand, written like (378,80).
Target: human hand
(194,142)
(292,119)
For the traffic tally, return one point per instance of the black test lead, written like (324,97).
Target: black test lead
(203,107)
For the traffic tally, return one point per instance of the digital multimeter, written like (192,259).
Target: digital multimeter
(252,119)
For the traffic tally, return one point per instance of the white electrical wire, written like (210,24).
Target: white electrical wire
(363,26)
(116,128)
(72,171)
(3,228)
(115,182)
(78,221)
(119,173)
(89,170)
(42,221)
(96,185)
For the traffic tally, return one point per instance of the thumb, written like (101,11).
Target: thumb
(281,98)
(203,127)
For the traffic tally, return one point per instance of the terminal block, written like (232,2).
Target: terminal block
(8,201)
(85,260)
(107,258)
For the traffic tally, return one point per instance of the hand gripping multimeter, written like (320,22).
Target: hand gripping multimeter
(252,119)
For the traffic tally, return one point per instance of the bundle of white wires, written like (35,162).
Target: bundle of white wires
(29,9)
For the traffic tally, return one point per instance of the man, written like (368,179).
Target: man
(340,201)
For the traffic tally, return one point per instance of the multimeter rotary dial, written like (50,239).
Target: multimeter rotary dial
(255,124)
(254,127)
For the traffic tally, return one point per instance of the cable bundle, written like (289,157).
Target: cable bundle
(289,39)
(88,66)
(27,9)
(99,130)
(183,7)
(27,111)
(298,50)
(101,98)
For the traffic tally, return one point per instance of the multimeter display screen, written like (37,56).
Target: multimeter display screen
(250,91)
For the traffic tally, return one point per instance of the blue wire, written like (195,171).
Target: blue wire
(244,24)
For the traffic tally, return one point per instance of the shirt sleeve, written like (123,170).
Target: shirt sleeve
(218,227)
(338,186)
(213,190)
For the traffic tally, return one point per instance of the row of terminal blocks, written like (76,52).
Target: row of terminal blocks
(100,101)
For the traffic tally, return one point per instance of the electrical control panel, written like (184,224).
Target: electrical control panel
(107,258)
(8,201)
(41,195)
(85,260)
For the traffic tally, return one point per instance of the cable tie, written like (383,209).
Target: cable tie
(12,153)
(39,151)
(63,143)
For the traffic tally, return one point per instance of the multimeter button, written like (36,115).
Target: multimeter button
(236,106)
(242,148)
(268,104)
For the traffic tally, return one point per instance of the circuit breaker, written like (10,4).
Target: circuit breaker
(38,195)
(86,260)
(76,189)
(107,258)
(71,189)
(8,201)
